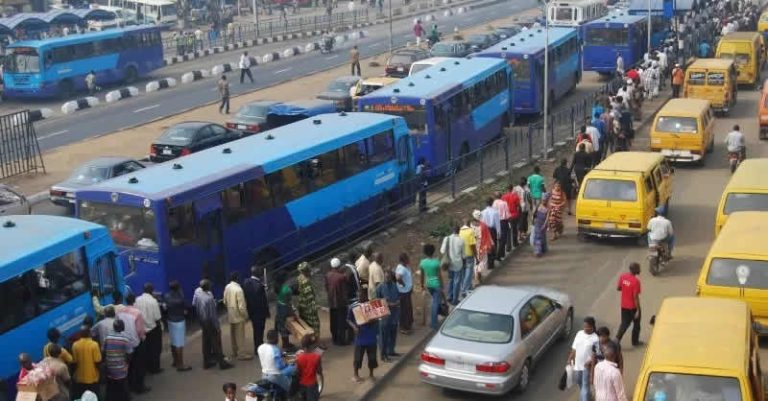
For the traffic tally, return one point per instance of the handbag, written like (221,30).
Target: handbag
(445,260)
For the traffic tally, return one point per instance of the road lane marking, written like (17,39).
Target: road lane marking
(332,57)
(375,44)
(51,135)
(146,108)
(283,70)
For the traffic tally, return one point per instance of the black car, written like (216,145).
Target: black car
(506,32)
(450,49)
(339,91)
(399,63)
(252,117)
(481,41)
(185,138)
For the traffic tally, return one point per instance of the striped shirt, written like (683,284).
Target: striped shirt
(503,208)
(609,386)
(116,350)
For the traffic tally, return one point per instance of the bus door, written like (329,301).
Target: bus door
(104,275)
(210,236)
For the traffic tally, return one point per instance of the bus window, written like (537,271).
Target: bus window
(104,279)
(129,226)
(24,60)
(522,69)
(289,183)
(40,290)
(235,203)
(181,224)
(381,148)
(354,158)
(325,169)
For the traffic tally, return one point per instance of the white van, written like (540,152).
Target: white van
(426,63)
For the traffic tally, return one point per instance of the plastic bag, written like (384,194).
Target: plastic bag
(569,379)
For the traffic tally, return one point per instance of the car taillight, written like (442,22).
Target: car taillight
(230,125)
(185,151)
(492,367)
(635,225)
(152,150)
(56,193)
(432,359)
(582,221)
(254,128)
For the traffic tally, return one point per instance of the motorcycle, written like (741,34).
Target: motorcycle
(264,390)
(326,46)
(658,257)
(734,159)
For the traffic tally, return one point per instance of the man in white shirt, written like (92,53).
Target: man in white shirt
(735,142)
(199,38)
(492,219)
(660,230)
(619,65)
(453,246)
(581,356)
(150,311)
(594,135)
(245,67)
(362,266)
(375,274)
(273,365)
(237,315)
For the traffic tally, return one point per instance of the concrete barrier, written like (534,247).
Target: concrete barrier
(193,76)
(34,115)
(222,68)
(447,13)
(121,94)
(429,17)
(311,47)
(339,39)
(270,57)
(290,52)
(164,83)
(79,104)
(461,10)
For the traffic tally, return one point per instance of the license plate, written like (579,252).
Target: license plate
(464,367)
(167,151)
(241,126)
(400,69)
(609,225)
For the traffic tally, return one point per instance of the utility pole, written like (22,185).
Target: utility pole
(546,77)
(391,44)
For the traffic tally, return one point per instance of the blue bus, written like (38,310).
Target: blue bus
(271,199)
(451,108)
(58,66)
(525,53)
(608,36)
(48,267)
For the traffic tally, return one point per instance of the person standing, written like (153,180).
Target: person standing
(536,186)
(556,204)
(307,302)
(336,287)
(362,265)
(467,235)
(619,65)
(176,310)
(116,353)
(308,365)
(678,76)
(504,217)
(354,59)
(388,325)
(245,67)
(422,172)
(237,315)
(432,281)
(492,219)
(418,31)
(205,308)
(629,286)
(580,356)
(90,83)
(54,337)
(257,304)
(199,39)
(562,176)
(223,87)
(87,356)
(366,338)
(60,370)
(150,311)
(103,327)
(404,279)
(513,204)
(581,163)
(484,245)
(284,308)
(540,224)
(526,205)
(598,349)
(608,383)
(375,274)
(137,369)
(453,248)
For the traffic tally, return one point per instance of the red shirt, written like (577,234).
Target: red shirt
(630,287)
(513,201)
(633,75)
(307,363)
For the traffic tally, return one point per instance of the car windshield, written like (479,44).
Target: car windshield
(24,60)
(478,326)
(178,135)
(678,125)
(129,226)
(610,190)
(90,174)
(442,48)
(683,387)
(745,202)
(339,86)
(400,59)
(726,273)
(253,111)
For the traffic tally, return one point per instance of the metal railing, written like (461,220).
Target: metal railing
(19,148)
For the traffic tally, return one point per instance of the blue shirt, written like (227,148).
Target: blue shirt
(600,125)
(368,333)
(704,49)
(407,277)
(389,292)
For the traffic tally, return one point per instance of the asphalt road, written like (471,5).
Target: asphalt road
(588,271)
(109,118)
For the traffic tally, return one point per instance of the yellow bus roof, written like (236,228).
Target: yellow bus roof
(630,162)
(751,174)
(739,36)
(711,63)
(690,332)
(686,107)
(742,234)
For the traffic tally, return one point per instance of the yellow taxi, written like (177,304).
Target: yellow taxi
(747,51)
(712,79)
(746,191)
(683,130)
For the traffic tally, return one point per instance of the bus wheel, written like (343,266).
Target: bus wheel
(130,75)
(66,89)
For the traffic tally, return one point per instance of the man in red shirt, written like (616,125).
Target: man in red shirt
(309,365)
(629,285)
(513,201)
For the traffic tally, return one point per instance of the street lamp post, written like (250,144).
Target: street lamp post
(546,76)
(649,27)
(391,44)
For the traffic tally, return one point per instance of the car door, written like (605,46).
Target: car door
(530,335)
(549,324)
(12,202)
(222,135)
(203,139)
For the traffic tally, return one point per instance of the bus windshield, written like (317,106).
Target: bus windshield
(607,37)
(678,125)
(24,60)
(725,273)
(129,226)
(680,386)
(521,68)
(415,116)
(564,14)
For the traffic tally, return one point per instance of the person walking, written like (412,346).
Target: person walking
(556,204)
(404,280)
(245,67)
(176,312)
(502,208)
(484,244)
(540,224)
(307,301)
(608,383)
(205,307)
(309,365)
(257,304)
(375,274)
(536,186)
(117,350)
(223,87)
(134,320)
(86,356)
(432,281)
(678,76)
(418,31)
(467,234)
(526,205)
(619,65)
(492,219)
(336,287)
(562,176)
(354,59)
(513,204)
(388,325)
(147,304)
(629,286)
(581,163)
(453,249)
(580,356)
(237,316)
(598,349)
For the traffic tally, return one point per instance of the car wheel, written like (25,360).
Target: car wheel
(568,326)
(525,377)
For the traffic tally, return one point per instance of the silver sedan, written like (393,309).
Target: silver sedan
(489,343)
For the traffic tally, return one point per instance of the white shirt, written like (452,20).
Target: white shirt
(620,64)
(150,310)
(735,141)
(453,245)
(245,62)
(268,355)
(199,34)
(662,60)
(594,134)
(659,228)
(582,346)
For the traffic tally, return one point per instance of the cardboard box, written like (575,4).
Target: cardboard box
(298,328)
(371,310)
(45,390)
